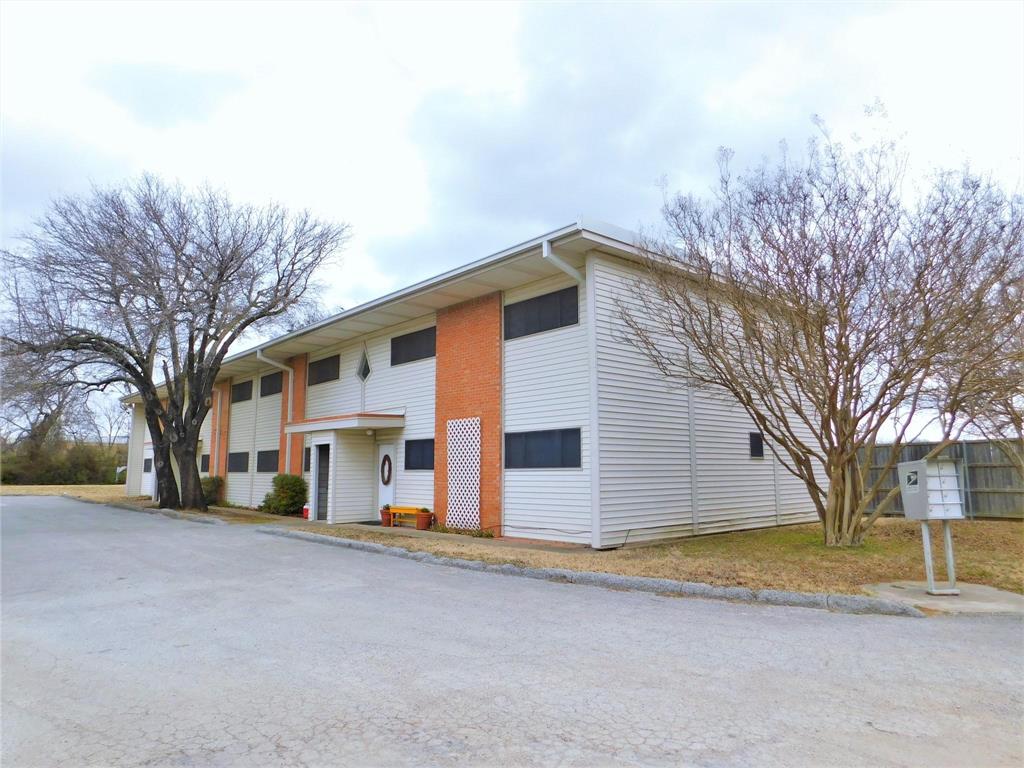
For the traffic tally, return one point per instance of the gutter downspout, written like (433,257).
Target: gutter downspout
(291,397)
(570,270)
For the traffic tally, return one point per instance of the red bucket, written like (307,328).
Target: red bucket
(305,511)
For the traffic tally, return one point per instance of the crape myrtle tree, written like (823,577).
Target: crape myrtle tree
(149,285)
(841,309)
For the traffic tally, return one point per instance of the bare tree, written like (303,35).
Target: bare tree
(826,300)
(150,282)
(39,402)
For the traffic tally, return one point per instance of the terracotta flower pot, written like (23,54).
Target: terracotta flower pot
(423,521)
(385,518)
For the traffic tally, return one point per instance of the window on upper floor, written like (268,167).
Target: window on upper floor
(419,454)
(266,461)
(542,313)
(241,392)
(363,372)
(756,445)
(147,465)
(271,384)
(327,369)
(238,462)
(545,449)
(418,345)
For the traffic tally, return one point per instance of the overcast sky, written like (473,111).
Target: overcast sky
(442,133)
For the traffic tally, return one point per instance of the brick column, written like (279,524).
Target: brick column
(220,428)
(468,385)
(299,365)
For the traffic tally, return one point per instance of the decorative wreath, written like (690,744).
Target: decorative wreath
(385,470)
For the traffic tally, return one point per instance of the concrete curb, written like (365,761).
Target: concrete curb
(838,603)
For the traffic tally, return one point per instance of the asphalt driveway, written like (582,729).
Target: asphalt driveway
(131,639)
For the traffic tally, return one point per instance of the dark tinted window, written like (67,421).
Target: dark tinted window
(756,445)
(324,370)
(552,310)
(419,454)
(241,392)
(414,346)
(204,463)
(147,465)
(238,462)
(363,372)
(305,460)
(270,384)
(548,448)
(266,461)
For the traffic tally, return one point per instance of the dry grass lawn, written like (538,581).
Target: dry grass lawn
(793,558)
(102,493)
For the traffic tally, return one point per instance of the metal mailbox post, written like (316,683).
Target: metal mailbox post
(932,489)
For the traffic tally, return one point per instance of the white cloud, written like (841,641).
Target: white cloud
(443,131)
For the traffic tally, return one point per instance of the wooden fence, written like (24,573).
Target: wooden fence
(994,487)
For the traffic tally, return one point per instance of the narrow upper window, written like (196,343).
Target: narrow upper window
(418,345)
(327,369)
(238,462)
(364,367)
(419,454)
(266,461)
(241,392)
(147,465)
(756,445)
(548,448)
(271,384)
(552,310)
(204,463)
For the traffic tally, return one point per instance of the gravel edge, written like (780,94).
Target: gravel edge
(839,603)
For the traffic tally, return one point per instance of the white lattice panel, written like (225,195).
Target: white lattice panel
(463,473)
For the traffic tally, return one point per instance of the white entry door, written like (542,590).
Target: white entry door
(148,485)
(385,474)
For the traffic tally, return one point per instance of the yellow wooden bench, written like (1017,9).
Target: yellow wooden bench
(399,514)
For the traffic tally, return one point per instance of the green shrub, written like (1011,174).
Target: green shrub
(288,496)
(212,487)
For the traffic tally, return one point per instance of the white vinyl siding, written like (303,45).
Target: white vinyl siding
(242,427)
(644,449)
(136,439)
(267,438)
(735,491)
(648,478)
(546,385)
(407,389)
(354,482)
(344,394)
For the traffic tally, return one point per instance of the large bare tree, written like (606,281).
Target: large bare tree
(149,284)
(829,299)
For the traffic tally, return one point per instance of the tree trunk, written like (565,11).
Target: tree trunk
(166,485)
(845,506)
(188,470)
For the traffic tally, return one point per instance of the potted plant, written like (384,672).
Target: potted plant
(385,516)
(423,519)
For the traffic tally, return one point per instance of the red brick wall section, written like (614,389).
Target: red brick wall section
(299,364)
(468,385)
(222,392)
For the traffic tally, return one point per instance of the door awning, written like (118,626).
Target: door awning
(347,421)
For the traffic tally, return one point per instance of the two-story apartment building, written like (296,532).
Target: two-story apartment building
(503,394)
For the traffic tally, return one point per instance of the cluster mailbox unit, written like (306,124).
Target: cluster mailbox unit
(932,490)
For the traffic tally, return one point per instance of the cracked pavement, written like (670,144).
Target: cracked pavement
(136,640)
